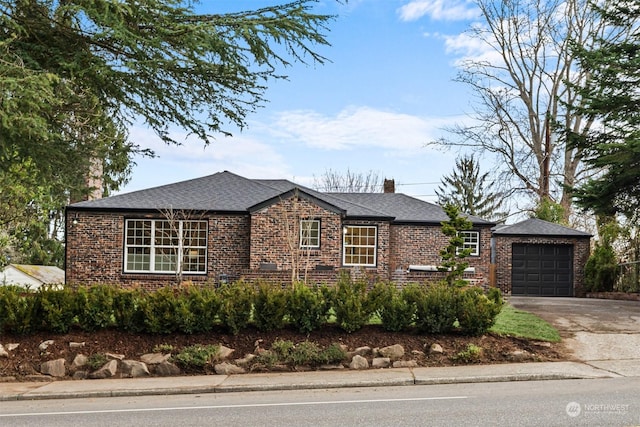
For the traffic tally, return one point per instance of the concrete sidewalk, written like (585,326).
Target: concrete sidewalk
(316,380)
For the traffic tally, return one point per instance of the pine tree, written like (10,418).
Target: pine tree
(612,99)
(470,191)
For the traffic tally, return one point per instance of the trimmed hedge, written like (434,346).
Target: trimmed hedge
(433,309)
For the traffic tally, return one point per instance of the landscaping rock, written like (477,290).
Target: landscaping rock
(44,345)
(436,348)
(55,368)
(12,346)
(226,368)
(393,352)
(107,371)
(358,363)
(3,352)
(167,369)
(380,362)
(112,356)
(520,355)
(154,358)
(224,352)
(245,360)
(79,361)
(362,351)
(76,344)
(134,369)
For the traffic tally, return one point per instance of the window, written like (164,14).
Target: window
(359,243)
(471,241)
(160,246)
(309,234)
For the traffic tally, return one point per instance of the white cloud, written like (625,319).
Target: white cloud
(439,10)
(359,127)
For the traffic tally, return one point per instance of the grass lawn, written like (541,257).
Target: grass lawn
(523,324)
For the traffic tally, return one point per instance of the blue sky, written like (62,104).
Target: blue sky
(386,93)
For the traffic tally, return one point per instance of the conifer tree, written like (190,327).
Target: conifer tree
(470,191)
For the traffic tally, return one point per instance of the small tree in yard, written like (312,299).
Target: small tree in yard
(182,238)
(454,253)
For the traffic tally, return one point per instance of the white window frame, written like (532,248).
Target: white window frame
(155,247)
(307,241)
(347,243)
(471,241)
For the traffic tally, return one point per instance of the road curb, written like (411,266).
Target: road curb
(300,381)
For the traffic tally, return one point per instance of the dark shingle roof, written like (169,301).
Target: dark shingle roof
(222,191)
(228,192)
(403,208)
(538,227)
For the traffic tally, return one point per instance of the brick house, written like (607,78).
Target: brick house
(225,227)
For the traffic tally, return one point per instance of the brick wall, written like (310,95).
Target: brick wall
(421,245)
(503,256)
(95,250)
(238,244)
(94,247)
(277,226)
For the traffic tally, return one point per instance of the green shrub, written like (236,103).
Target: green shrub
(351,303)
(305,353)
(198,309)
(163,348)
(470,354)
(55,309)
(395,308)
(476,312)
(236,302)
(495,295)
(160,310)
(128,310)
(307,307)
(436,307)
(283,349)
(196,356)
(269,307)
(17,310)
(95,307)
(96,361)
(332,354)
(601,269)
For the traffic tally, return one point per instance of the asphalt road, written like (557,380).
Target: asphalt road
(602,402)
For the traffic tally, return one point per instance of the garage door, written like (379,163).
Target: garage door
(542,270)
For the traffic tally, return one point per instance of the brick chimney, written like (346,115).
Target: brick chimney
(389,186)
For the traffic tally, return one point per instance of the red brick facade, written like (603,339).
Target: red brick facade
(503,256)
(421,245)
(239,245)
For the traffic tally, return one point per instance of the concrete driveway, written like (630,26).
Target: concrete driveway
(596,331)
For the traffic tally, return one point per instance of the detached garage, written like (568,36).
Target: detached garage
(539,258)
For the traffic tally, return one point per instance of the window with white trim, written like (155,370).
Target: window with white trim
(161,246)
(309,233)
(359,245)
(471,241)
